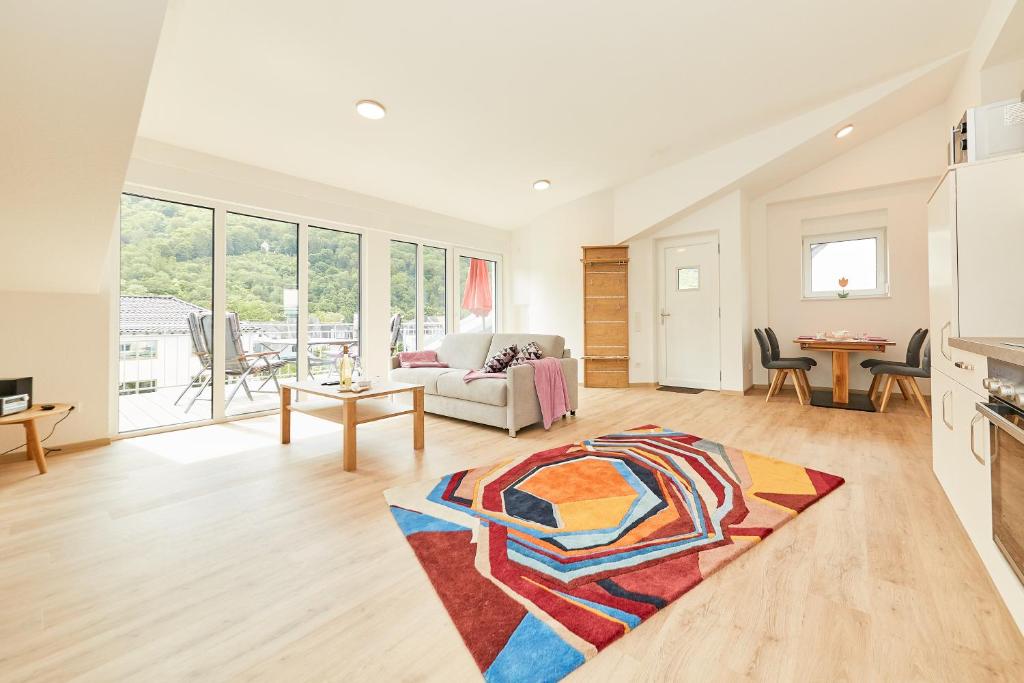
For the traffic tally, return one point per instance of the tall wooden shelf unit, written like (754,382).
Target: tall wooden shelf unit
(606,316)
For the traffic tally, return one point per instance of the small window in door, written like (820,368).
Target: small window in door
(688,278)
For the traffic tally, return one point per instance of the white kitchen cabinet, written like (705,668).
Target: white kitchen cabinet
(990,247)
(959,447)
(975,248)
(942,299)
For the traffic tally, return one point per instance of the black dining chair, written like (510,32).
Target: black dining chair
(773,343)
(913,360)
(906,377)
(782,367)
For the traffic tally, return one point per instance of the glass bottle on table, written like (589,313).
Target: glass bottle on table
(345,368)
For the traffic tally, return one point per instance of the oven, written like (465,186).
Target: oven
(1005,414)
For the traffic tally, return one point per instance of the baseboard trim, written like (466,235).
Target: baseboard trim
(21,456)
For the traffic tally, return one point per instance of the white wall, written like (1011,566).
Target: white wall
(73,80)
(547,278)
(895,317)
(59,340)
(894,172)
(726,217)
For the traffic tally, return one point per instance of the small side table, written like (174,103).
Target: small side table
(28,418)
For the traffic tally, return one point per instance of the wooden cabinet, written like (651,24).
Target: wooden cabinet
(606,316)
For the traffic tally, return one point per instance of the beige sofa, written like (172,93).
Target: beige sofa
(507,403)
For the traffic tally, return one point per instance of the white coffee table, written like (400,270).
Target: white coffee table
(349,408)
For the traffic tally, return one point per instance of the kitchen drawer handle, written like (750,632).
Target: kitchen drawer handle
(946,422)
(977,456)
(963,366)
(944,340)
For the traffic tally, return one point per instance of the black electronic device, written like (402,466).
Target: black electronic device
(16,386)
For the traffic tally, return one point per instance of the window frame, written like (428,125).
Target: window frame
(882,290)
(372,241)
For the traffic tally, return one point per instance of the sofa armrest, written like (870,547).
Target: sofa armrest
(394,362)
(570,368)
(567,353)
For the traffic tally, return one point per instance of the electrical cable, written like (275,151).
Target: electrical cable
(46,451)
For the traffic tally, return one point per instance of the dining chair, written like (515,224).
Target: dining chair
(906,378)
(782,368)
(913,360)
(773,343)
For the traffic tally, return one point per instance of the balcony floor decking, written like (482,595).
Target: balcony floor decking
(157,408)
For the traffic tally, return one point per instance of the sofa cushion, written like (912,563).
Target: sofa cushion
(428,377)
(467,350)
(551,345)
(492,391)
(500,361)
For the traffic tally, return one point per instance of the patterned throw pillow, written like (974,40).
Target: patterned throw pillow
(500,361)
(529,352)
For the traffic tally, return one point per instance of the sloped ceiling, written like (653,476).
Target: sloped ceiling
(775,155)
(486,97)
(73,79)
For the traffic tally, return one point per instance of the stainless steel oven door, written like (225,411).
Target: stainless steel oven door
(1007,458)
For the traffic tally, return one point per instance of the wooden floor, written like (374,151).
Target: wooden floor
(217,554)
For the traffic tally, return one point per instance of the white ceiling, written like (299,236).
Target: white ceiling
(485,97)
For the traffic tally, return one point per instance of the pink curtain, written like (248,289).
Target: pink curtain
(477,297)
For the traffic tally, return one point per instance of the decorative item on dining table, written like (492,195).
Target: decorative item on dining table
(843,293)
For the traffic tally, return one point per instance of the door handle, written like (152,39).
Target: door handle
(944,340)
(663,316)
(977,456)
(946,422)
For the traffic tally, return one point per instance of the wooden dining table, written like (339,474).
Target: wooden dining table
(841,348)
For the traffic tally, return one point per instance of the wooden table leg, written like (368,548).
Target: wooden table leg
(286,415)
(840,376)
(417,419)
(349,454)
(33,446)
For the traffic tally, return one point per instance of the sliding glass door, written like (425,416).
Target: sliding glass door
(262,311)
(334,271)
(435,296)
(166,286)
(402,325)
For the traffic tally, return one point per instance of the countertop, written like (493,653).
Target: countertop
(993,347)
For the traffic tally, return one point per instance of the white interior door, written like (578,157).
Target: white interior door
(689,313)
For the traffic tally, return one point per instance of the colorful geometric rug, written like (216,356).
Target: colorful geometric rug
(544,560)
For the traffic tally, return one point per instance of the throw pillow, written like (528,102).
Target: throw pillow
(529,352)
(501,360)
(407,358)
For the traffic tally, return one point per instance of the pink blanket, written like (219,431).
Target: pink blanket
(480,374)
(552,391)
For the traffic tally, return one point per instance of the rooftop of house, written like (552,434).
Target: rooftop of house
(155,315)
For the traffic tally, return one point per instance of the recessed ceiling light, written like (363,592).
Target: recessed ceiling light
(844,131)
(541,184)
(371,109)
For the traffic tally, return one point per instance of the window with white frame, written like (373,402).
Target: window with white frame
(846,264)
(141,386)
(138,350)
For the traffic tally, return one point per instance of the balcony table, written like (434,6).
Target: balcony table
(840,396)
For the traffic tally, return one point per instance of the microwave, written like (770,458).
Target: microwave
(988,131)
